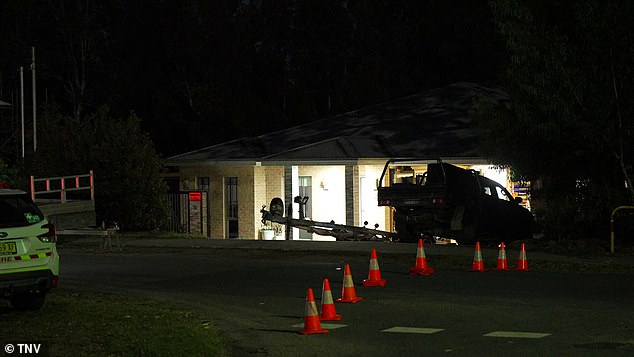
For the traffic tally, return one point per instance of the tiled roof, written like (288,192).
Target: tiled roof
(435,123)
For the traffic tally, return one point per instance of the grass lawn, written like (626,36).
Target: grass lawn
(92,324)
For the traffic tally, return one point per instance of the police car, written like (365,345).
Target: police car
(29,263)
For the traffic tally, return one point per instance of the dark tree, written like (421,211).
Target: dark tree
(237,68)
(570,77)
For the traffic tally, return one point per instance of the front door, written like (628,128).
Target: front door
(368,204)
(306,189)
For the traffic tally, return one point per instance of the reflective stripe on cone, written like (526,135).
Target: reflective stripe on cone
(478,264)
(421,267)
(312,324)
(522,263)
(502,263)
(328,311)
(348,294)
(374,273)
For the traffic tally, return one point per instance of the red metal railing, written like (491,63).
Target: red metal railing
(59,185)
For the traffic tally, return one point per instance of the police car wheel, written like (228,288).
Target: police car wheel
(28,301)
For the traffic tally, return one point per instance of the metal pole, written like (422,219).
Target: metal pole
(34,101)
(614,212)
(92,186)
(22,105)
(63,190)
(289,217)
(612,233)
(33,188)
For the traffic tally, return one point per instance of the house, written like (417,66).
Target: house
(336,161)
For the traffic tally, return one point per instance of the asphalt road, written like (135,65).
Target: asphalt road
(257,298)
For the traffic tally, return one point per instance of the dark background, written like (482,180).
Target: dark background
(199,72)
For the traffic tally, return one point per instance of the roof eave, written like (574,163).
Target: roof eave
(190,163)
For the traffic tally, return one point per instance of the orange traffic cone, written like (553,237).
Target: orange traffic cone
(312,325)
(478,264)
(421,267)
(502,262)
(328,312)
(522,263)
(374,273)
(348,294)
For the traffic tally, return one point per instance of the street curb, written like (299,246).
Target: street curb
(358,247)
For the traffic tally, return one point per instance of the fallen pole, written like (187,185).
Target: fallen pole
(339,231)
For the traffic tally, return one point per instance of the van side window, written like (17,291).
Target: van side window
(502,194)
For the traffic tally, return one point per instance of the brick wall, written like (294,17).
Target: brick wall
(216,174)
(257,185)
(259,198)
(274,183)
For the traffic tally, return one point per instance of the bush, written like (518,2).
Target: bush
(126,166)
(8,175)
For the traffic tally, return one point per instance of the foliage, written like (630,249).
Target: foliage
(570,128)
(8,174)
(94,324)
(190,67)
(62,148)
(127,169)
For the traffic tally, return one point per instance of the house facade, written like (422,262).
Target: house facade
(336,162)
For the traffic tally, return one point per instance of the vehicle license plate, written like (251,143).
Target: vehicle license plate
(7,248)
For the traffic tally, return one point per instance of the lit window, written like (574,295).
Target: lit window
(502,193)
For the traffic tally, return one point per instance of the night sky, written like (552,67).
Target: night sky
(200,72)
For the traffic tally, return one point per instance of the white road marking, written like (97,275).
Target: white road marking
(420,330)
(517,334)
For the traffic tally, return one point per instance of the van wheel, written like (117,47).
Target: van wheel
(468,235)
(406,233)
(28,301)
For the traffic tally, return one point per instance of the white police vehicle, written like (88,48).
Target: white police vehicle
(29,263)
